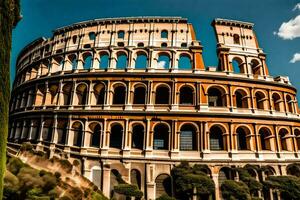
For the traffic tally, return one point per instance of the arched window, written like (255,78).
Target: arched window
(161,137)
(163,61)
(236,39)
(99,94)
(260,100)
(78,134)
(53,90)
(96,132)
(141,61)
(47,130)
(164,34)
(188,138)
(163,185)
(186,96)
(61,131)
(216,97)
(81,92)
(241,99)
(297,134)
(104,61)
(67,89)
(283,139)
(216,138)
(121,61)
(242,140)
(92,35)
(135,178)
(277,102)
(140,44)
(139,95)
(119,95)
(87,63)
(184,62)
(290,103)
(164,44)
(237,65)
(255,66)
(116,135)
(121,34)
(265,139)
(138,137)
(162,95)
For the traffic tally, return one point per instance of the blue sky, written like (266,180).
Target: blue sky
(277,23)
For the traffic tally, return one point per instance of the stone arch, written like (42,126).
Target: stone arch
(66,93)
(277,101)
(217,137)
(290,103)
(188,137)
(116,136)
(256,67)
(104,60)
(81,96)
(122,60)
(141,60)
(87,58)
(95,129)
(238,65)
(284,140)
(71,63)
(261,100)
(161,136)
(40,96)
(265,138)
(243,135)
(78,133)
(47,130)
(53,90)
(163,185)
(138,135)
(185,61)
(135,178)
(217,96)
(139,93)
(297,135)
(164,60)
(186,95)
(241,98)
(98,97)
(57,64)
(119,93)
(62,129)
(162,94)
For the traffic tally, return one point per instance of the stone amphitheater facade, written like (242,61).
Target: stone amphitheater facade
(133,96)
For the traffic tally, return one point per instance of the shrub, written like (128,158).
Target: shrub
(76,163)
(29,178)
(50,182)
(39,153)
(11,186)
(76,193)
(128,190)
(14,165)
(57,175)
(165,197)
(98,196)
(65,198)
(34,192)
(233,190)
(66,165)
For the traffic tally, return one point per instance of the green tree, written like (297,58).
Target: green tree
(9,17)
(234,190)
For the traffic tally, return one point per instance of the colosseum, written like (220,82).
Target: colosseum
(132,96)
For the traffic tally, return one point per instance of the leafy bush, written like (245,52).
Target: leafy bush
(98,196)
(165,197)
(65,198)
(76,193)
(26,146)
(66,165)
(14,165)
(233,190)
(128,190)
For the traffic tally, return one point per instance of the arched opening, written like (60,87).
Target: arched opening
(265,138)
(241,99)
(92,35)
(236,39)
(225,173)
(138,137)
(297,134)
(141,61)
(283,136)
(135,178)
(237,65)
(216,138)
(119,95)
(99,94)
(161,137)
(116,136)
(47,130)
(184,62)
(121,61)
(255,66)
(53,90)
(87,61)
(243,138)
(260,100)
(39,98)
(67,90)
(163,61)
(216,97)
(77,134)
(293,169)
(104,61)
(139,95)
(121,34)
(186,96)
(73,61)
(81,93)
(188,138)
(276,102)
(290,103)
(62,131)
(164,34)
(162,95)
(57,64)
(96,133)
(114,181)
(163,185)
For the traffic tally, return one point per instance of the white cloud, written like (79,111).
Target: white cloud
(161,64)
(289,30)
(296,58)
(297,7)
